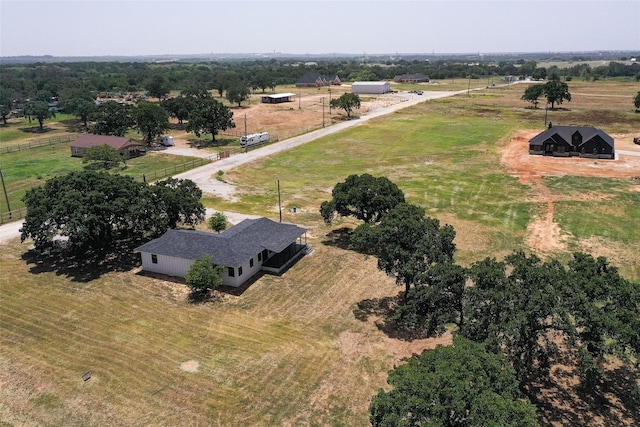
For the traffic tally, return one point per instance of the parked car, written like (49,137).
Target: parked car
(636,140)
(419,92)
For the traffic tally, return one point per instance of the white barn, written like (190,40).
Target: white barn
(251,246)
(370,87)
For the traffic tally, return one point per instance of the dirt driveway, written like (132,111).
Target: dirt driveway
(543,233)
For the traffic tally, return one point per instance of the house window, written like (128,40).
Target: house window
(239,271)
(251,262)
(260,256)
(265,254)
(232,272)
(154,258)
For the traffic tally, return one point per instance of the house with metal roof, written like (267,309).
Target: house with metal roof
(125,146)
(249,247)
(566,141)
(277,98)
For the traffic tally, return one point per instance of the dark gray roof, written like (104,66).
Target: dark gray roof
(231,248)
(565,132)
(414,76)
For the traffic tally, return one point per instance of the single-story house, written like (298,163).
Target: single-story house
(249,247)
(277,98)
(370,87)
(565,141)
(411,78)
(126,146)
(315,79)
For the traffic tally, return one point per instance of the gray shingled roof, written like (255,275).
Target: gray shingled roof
(231,248)
(565,132)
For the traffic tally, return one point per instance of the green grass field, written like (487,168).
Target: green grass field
(289,350)
(31,168)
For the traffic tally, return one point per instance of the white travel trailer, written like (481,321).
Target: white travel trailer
(254,139)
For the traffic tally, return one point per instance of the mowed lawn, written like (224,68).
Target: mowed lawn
(289,350)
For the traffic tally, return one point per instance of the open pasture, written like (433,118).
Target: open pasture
(289,350)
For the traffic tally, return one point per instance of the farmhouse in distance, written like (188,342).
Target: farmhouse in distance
(251,246)
(566,141)
(125,146)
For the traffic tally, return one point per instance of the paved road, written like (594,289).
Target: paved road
(204,176)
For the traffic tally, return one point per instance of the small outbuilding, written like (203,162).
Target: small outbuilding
(373,88)
(566,141)
(125,146)
(251,246)
(277,98)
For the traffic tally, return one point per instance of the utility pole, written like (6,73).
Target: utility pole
(323,111)
(279,202)
(329,100)
(6,196)
(299,100)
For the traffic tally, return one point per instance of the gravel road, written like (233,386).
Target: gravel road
(204,176)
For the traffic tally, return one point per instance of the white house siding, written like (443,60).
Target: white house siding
(370,87)
(171,266)
(247,273)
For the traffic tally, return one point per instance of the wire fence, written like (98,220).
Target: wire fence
(175,169)
(11,216)
(38,143)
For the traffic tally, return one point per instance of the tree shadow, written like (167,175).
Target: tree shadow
(378,307)
(83,267)
(340,238)
(219,142)
(36,129)
(74,126)
(560,400)
(200,297)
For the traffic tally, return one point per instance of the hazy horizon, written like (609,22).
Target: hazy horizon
(159,28)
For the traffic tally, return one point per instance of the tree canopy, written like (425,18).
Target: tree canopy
(179,107)
(202,276)
(151,120)
(406,242)
(237,93)
(210,116)
(364,197)
(461,385)
(112,118)
(348,102)
(587,305)
(97,211)
(217,222)
(556,91)
(636,101)
(108,156)
(532,93)
(39,110)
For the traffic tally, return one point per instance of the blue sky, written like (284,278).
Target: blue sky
(152,27)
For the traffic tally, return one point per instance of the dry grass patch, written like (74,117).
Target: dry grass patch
(288,351)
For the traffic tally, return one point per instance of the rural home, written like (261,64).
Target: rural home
(565,141)
(277,98)
(370,87)
(411,78)
(249,247)
(125,146)
(315,79)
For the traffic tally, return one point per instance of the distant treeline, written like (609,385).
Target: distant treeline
(24,81)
